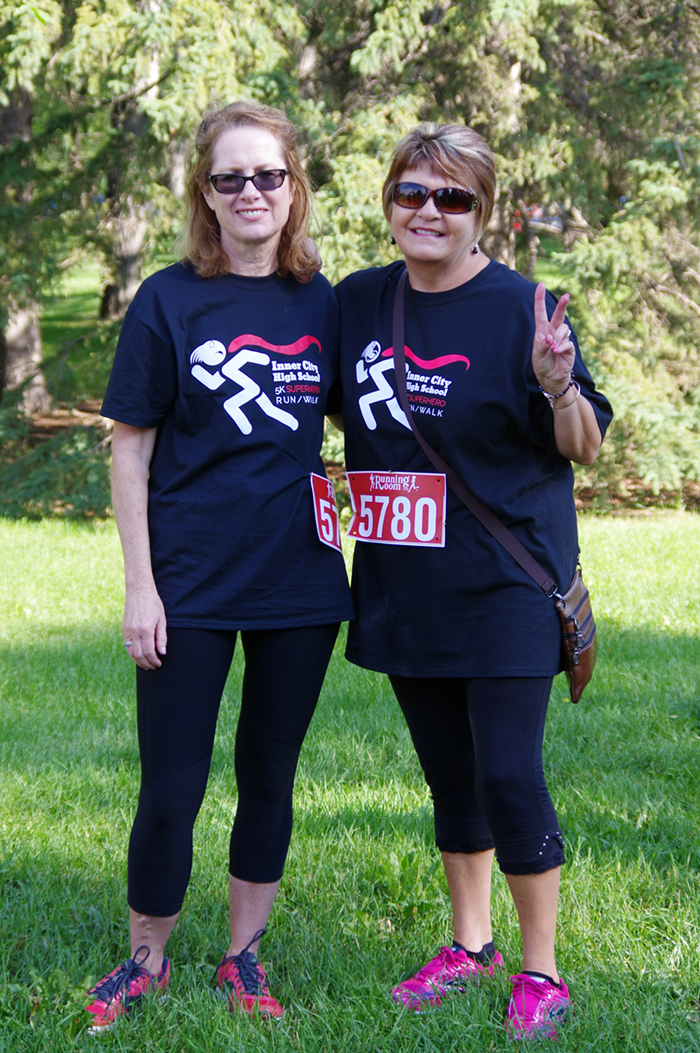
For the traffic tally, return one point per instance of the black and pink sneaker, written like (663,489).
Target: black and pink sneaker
(241,978)
(118,993)
(453,970)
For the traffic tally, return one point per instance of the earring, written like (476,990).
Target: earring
(475,250)
(393,240)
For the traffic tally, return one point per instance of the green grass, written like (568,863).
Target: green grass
(362,902)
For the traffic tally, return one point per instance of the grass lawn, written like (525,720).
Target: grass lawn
(362,902)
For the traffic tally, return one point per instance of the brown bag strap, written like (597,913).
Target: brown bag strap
(475,506)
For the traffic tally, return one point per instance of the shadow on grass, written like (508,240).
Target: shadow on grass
(334,984)
(361,900)
(627,755)
(623,765)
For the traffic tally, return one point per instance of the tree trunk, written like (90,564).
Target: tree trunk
(499,238)
(127,224)
(176,161)
(532,242)
(3,362)
(20,347)
(23,356)
(128,228)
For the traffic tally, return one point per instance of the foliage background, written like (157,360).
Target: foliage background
(590,105)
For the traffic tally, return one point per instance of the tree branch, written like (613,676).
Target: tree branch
(677,295)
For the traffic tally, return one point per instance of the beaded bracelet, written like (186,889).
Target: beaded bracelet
(551,398)
(577,386)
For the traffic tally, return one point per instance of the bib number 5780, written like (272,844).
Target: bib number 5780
(398,508)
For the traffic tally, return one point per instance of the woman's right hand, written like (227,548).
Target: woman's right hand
(144,626)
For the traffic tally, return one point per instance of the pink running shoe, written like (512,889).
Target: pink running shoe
(113,997)
(537,1007)
(452,970)
(242,979)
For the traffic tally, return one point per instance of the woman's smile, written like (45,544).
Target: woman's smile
(426,232)
(251,221)
(437,245)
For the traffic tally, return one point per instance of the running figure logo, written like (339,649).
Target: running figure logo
(232,363)
(424,391)
(383,392)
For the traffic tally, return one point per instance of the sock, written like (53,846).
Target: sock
(541,977)
(483,957)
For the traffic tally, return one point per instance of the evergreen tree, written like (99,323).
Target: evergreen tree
(589,105)
(27,36)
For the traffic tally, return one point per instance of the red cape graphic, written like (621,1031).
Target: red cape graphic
(297,348)
(429,363)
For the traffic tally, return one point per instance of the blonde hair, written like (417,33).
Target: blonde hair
(453,151)
(202,238)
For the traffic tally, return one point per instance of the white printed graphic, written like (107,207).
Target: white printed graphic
(427,392)
(383,391)
(213,353)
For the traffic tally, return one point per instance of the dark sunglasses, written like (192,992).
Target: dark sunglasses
(230,183)
(449,199)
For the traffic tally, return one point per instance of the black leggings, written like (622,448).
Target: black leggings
(178,706)
(479,743)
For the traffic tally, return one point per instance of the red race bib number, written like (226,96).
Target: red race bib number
(398,508)
(325,511)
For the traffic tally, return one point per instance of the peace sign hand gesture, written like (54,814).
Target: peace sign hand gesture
(552,349)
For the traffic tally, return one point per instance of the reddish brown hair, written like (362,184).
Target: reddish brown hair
(203,246)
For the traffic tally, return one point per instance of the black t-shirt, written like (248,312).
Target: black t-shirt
(466,609)
(235,373)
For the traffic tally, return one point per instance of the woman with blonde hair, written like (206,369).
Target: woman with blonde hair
(218,394)
(496,386)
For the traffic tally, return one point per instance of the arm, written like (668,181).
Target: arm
(144,616)
(576,431)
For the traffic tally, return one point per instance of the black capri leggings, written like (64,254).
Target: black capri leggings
(178,706)
(479,743)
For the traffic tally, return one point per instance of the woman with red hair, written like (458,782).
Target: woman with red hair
(218,394)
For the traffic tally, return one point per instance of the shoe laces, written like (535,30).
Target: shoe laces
(118,981)
(445,957)
(435,966)
(247,966)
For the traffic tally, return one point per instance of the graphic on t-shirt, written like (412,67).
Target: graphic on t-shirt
(383,392)
(296,382)
(213,353)
(427,394)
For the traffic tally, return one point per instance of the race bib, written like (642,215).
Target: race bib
(398,508)
(325,511)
